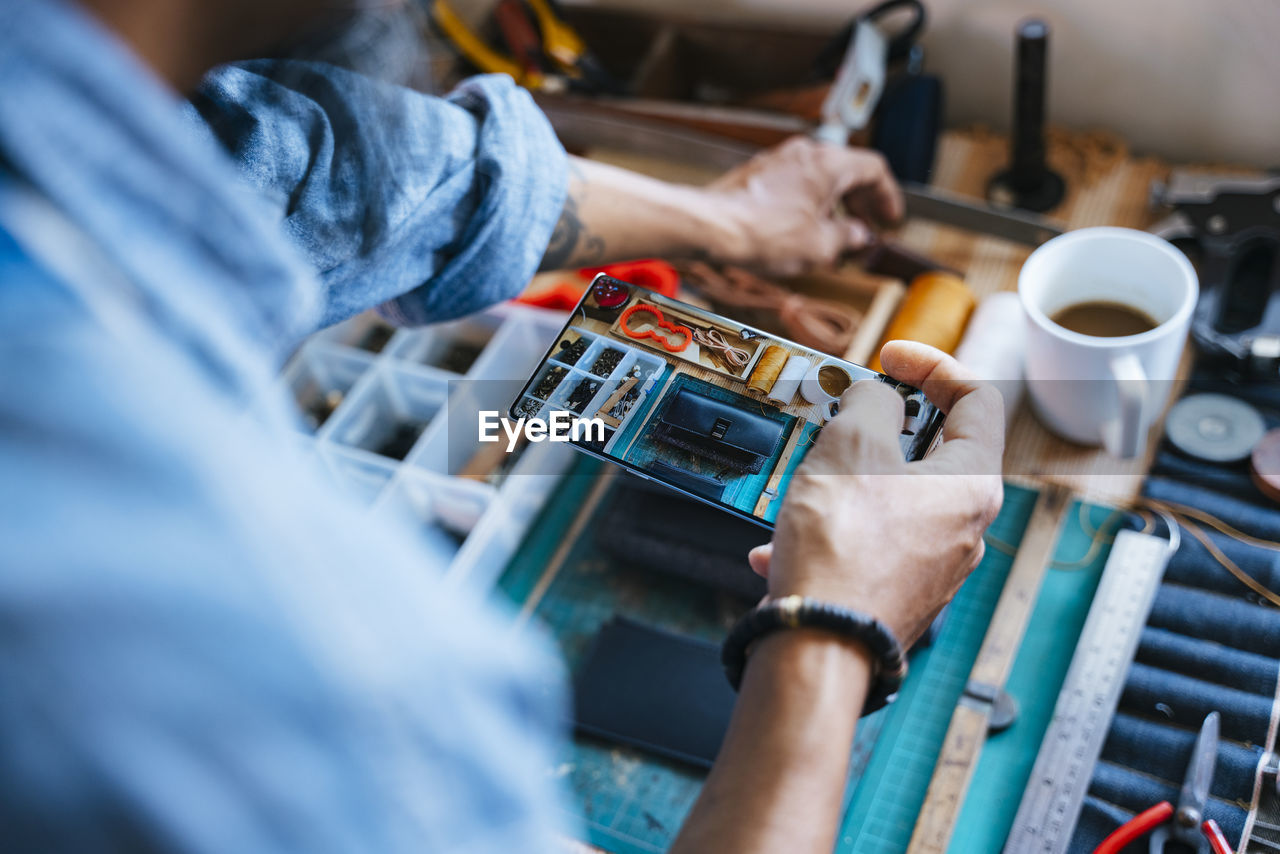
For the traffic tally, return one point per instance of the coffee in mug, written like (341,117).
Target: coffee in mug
(1104,319)
(834,380)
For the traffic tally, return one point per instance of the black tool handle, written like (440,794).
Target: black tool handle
(1028,161)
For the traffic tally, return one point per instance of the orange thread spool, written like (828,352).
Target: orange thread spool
(934,311)
(767,369)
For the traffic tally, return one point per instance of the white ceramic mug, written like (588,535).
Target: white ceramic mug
(1096,390)
(811,387)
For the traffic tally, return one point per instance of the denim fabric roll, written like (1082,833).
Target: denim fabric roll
(1264,396)
(1164,752)
(1217,618)
(1251,518)
(1097,819)
(1222,665)
(1134,791)
(1232,480)
(1210,644)
(1194,566)
(1185,702)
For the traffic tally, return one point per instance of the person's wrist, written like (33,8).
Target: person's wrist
(795,613)
(812,659)
(840,591)
(724,231)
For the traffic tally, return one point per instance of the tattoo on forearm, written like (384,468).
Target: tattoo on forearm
(572,244)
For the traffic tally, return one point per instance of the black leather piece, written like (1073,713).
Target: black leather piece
(698,484)
(705,418)
(656,690)
(651,526)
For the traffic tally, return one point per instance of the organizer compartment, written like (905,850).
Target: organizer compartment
(452,348)
(470,526)
(367,332)
(573,347)
(320,379)
(362,475)
(388,414)
(499,533)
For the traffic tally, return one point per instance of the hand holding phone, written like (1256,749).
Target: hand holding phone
(864,528)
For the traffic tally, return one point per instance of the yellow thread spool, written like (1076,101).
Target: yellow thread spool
(767,370)
(934,311)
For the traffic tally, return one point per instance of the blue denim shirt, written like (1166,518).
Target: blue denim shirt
(203,646)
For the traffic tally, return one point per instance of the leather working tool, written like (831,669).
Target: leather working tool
(1232,224)
(899,45)
(840,112)
(1028,182)
(551,58)
(908,107)
(1185,824)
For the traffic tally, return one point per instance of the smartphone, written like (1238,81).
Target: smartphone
(713,408)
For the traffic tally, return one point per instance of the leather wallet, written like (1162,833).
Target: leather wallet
(721,432)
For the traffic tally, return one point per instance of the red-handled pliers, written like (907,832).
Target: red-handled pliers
(1186,823)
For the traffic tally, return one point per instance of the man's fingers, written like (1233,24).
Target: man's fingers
(864,435)
(834,238)
(974,431)
(758,558)
(865,183)
(857,235)
(939,376)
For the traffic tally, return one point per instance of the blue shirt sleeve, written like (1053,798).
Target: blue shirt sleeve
(204,649)
(428,207)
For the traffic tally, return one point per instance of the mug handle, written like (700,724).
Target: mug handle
(1126,437)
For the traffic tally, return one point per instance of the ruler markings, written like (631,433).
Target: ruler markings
(1091,690)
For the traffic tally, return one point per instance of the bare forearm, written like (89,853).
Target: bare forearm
(779,781)
(613,214)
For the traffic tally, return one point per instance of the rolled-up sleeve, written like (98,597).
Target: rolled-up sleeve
(428,207)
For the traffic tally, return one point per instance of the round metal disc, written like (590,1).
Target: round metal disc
(1265,466)
(1214,427)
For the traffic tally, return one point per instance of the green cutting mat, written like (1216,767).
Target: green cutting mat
(883,812)
(631,803)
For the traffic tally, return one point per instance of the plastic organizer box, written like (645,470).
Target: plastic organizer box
(583,384)
(393,415)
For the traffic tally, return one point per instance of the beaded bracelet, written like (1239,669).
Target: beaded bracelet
(793,612)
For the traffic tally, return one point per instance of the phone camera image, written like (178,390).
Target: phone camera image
(702,403)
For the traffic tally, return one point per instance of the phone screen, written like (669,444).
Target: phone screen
(709,406)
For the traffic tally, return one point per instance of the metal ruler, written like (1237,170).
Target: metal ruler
(1055,792)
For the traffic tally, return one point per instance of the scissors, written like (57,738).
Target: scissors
(1186,823)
